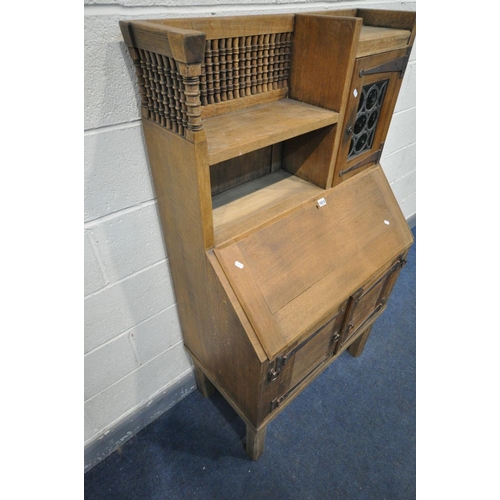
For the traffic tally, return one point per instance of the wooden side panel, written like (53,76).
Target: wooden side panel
(244,376)
(323,51)
(232,354)
(185,214)
(309,156)
(211,329)
(323,54)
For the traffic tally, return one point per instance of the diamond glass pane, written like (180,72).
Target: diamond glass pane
(370,104)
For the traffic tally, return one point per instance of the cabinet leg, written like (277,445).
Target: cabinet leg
(356,348)
(255,441)
(204,385)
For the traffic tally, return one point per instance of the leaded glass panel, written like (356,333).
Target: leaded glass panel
(367,117)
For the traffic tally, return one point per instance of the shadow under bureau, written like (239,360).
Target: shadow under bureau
(284,239)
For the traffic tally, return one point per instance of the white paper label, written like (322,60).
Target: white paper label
(239,264)
(321,202)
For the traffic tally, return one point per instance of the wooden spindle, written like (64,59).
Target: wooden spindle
(147,84)
(279,56)
(182,102)
(223,69)
(216,62)
(229,69)
(236,68)
(243,65)
(255,40)
(272,85)
(170,112)
(248,65)
(203,85)
(152,87)
(158,101)
(210,72)
(193,103)
(288,50)
(163,102)
(260,63)
(265,63)
(177,116)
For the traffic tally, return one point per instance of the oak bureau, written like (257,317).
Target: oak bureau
(284,239)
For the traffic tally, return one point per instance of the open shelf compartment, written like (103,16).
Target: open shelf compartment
(248,205)
(240,132)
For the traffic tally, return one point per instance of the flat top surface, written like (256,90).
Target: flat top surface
(377,33)
(375,39)
(290,275)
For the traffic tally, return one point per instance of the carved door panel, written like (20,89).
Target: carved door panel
(368,303)
(294,367)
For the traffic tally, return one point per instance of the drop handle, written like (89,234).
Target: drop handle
(349,130)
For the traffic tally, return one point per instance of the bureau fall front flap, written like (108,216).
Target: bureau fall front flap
(290,275)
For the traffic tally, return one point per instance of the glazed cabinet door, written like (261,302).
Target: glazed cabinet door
(368,303)
(372,98)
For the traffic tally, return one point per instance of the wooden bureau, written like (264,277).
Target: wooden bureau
(284,239)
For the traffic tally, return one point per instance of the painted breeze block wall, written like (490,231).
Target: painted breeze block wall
(135,364)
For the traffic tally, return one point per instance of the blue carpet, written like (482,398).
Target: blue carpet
(350,435)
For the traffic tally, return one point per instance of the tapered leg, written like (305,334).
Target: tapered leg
(356,348)
(204,385)
(255,441)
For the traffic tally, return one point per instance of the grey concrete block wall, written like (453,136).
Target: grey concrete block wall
(133,343)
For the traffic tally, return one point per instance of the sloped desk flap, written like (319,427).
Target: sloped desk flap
(291,275)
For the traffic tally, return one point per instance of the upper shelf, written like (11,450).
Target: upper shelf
(240,132)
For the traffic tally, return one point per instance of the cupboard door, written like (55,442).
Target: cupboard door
(367,303)
(291,369)
(372,98)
